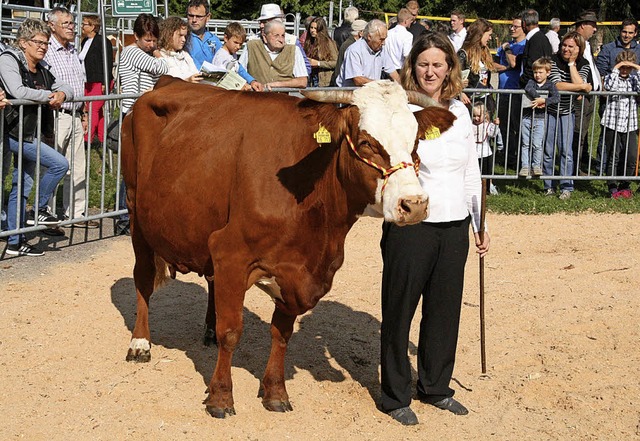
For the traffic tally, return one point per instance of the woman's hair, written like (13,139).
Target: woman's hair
(29,29)
(322,47)
(452,84)
(94,21)
(579,42)
(476,53)
(146,24)
(168,27)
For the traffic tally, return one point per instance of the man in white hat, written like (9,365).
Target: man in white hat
(273,62)
(271,11)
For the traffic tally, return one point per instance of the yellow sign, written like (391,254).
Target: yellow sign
(322,136)
(432,133)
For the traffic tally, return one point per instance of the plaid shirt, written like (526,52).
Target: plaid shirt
(621,113)
(65,65)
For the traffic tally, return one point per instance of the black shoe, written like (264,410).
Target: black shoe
(404,416)
(451,405)
(122,228)
(54,231)
(44,217)
(23,249)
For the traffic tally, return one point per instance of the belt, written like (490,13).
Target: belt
(70,112)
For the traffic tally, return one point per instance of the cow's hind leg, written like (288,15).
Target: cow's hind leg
(210,321)
(144,273)
(273,391)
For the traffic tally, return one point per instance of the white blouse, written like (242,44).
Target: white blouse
(449,171)
(180,64)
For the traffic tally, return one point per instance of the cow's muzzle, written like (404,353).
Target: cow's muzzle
(411,210)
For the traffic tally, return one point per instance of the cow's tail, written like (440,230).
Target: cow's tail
(161,272)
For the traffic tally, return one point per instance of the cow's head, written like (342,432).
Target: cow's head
(387,130)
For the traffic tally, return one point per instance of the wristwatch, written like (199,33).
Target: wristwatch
(571,63)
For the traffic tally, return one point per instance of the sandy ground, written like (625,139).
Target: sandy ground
(562,346)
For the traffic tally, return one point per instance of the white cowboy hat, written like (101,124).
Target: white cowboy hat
(269,11)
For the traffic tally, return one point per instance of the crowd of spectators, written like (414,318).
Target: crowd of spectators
(537,132)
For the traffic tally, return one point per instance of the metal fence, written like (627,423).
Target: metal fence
(590,144)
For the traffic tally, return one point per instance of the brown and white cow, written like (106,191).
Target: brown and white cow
(262,189)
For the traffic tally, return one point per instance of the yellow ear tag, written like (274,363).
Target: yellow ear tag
(322,136)
(432,133)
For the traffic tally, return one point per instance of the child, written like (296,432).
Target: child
(620,122)
(483,131)
(539,94)
(227,57)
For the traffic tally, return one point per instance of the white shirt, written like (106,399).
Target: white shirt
(449,171)
(180,64)
(553,38)
(396,48)
(457,38)
(597,83)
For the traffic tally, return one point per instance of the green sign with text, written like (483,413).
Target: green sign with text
(133,7)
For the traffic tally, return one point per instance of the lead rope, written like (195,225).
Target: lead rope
(386,172)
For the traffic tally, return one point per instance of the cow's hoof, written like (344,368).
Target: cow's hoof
(218,412)
(277,405)
(210,337)
(139,350)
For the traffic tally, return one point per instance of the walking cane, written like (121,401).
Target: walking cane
(483,212)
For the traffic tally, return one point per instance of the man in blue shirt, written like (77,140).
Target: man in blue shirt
(202,45)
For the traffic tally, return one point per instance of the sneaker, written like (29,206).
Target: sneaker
(564,195)
(550,192)
(537,171)
(493,190)
(524,171)
(23,249)
(44,217)
(86,224)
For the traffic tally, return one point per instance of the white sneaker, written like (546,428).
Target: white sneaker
(493,190)
(564,195)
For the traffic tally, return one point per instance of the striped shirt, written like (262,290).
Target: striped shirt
(138,72)
(560,74)
(621,112)
(64,64)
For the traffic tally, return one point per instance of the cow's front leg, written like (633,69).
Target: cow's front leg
(144,273)
(274,393)
(228,305)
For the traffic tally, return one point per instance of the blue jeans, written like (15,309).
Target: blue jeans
(563,139)
(532,139)
(56,165)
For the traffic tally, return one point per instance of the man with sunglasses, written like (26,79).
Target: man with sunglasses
(62,58)
(202,44)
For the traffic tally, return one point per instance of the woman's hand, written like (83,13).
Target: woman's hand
(465,99)
(483,247)
(3,100)
(194,78)
(56,99)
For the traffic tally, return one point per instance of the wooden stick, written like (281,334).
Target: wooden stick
(483,212)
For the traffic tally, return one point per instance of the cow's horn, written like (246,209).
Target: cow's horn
(329,96)
(421,99)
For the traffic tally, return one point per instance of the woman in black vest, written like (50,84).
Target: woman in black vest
(91,56)
(24,77)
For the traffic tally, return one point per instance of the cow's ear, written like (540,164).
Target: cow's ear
(432,118)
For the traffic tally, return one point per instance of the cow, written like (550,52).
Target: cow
(252,188)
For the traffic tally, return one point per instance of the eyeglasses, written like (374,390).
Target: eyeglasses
(40,43)
(67,24)
(199,17)
(515,26)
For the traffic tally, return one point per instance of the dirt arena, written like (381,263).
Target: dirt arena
(562,346)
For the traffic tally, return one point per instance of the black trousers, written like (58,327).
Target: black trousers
(423,260)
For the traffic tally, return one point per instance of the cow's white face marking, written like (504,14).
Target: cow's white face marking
(385,115)
(141,345)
